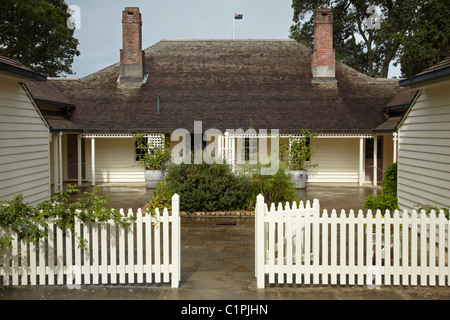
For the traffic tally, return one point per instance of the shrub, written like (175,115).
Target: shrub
(161,198)
(216,188)
(387,200)
(429,208)
(300,152)
(30,222)
(150,156)
(204,187)
(275,188)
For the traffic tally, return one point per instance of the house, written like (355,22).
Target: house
(424,141)
(251,85)
(24,137)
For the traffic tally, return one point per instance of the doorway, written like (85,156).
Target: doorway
(369,159)
(72,157)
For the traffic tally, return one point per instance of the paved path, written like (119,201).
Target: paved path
(218,264)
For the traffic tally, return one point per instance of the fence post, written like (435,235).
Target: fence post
(176,241)
(259,241)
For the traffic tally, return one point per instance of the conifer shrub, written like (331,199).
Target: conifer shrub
(387,200)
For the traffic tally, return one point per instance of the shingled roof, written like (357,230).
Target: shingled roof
(229,84)
(15,67)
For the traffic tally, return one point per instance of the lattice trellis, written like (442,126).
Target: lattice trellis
(156,140)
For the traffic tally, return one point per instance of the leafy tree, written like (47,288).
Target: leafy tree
(427,42)
(413,32)
(35,33)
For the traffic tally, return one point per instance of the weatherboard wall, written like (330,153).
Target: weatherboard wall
(24,145)
(424,151)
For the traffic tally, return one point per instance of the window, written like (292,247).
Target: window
(250,149)
(202,145)
(139,152)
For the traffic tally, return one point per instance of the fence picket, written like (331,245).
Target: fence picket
(423,248)
(51,253)
(389,247)
(130,240)
(110,246)
(280,243)
(77,267)
(176,254)
(148,247)
(95,253)
(351,248)
(333,247)
(307,240)
(325,241)
(86,268)
(111,251)
(59,256)
(432,249)
(442,223)
(165,243)
(405,249)
(342,249)
(360,245)
(7,257)
(387,222)
(396,246)
(448,249)
(289,243)
(157,240)
(316,248)
(139,246)
(121,267)
(15,262)
(23,270)
(299,252)
(414,248)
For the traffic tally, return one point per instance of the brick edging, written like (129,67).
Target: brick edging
(237,213)
(219,214)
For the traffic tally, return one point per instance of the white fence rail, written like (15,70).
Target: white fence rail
(147,251)
(350,249)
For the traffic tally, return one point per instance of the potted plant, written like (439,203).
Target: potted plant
(299,157)
(154,158)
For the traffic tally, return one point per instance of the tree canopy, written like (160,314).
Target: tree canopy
(411,32)
(35,33)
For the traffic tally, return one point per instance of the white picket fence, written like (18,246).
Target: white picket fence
(390,249)
(148,251)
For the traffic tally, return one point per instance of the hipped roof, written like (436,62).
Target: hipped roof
(229,84)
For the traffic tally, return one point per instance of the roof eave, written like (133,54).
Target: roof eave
(419,79)
(22,72)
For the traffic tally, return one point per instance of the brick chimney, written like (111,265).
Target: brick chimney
(132,55)
(323,59)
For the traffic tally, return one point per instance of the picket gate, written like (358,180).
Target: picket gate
(373,249)
(147,251)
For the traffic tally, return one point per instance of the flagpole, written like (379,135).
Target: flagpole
(234,26)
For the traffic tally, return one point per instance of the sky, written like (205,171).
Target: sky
(100,28)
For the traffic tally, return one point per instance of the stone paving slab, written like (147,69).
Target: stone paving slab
(218,264)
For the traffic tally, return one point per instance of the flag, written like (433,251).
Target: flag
(238,16)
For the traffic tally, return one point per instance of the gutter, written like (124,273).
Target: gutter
(22,72)
(425,77)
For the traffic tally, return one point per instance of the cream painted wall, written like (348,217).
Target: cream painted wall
(114,161)
(24,145)
(338,161)
(424,152)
